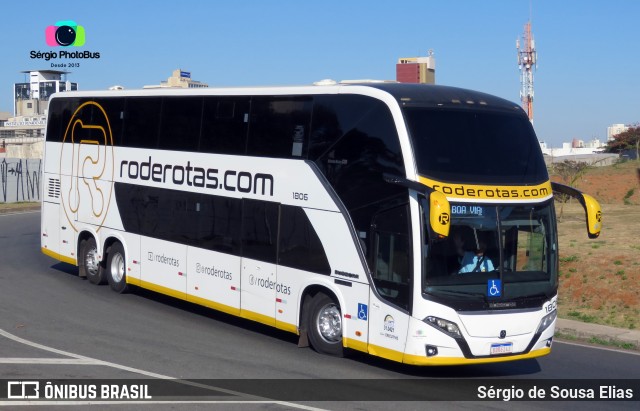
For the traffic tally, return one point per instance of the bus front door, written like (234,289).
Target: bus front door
(391,299)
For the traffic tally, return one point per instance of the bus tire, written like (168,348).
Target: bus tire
(324,325)
(116,268)
(89,265)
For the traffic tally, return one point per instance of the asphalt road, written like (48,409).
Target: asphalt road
(55,325)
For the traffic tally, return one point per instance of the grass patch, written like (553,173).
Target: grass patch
(581,316)
(20,205)
(627,196)
(612,343)
(597,341)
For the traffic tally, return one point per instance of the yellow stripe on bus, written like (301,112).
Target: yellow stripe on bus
(58,257)
(355,344)
(160,289)
(387,353)
(212,304)
(249,315)
(287,327)
(398,356)
(420,360)
(490,192)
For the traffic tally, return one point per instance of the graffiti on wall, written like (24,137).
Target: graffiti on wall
(20,179)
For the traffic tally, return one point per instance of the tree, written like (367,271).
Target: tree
(628,140)
(570,172)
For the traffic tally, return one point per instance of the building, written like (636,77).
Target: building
(416,69)
(615,129)
(31,102)
(590,152)
(576,146)
(22,134)
(179,79)
(32,98)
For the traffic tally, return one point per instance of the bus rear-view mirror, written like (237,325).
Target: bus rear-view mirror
(592,209)
(439,214)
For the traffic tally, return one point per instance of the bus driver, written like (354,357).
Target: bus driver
(472,261)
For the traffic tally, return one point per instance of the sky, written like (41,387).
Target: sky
(588,74)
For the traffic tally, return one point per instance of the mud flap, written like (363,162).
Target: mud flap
(303,341)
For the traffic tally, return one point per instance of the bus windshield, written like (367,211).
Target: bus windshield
(515,244)
(475,146)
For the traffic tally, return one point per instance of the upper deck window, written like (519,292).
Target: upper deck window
(475,146)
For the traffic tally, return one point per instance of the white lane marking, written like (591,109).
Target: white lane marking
(94,361)
(63,361)
(597,347)
(83,403)
(81,357)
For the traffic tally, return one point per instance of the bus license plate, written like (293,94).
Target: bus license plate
(505,348)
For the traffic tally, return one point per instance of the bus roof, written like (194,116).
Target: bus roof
(406,94)
(443,96)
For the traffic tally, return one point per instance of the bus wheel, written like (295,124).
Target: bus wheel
(325,325)
(116,268)
(89,265)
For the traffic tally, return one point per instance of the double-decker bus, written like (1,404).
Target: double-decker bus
(411,222)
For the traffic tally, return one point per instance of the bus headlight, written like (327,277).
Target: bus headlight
(448,327)
(546,321)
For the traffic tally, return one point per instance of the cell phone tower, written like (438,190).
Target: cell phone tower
(527,62)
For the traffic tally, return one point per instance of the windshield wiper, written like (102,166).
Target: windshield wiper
(456,292)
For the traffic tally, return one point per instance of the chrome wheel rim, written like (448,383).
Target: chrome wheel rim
(91,261)
(329,323)
(117,268)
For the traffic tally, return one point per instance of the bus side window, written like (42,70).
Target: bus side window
(299,245)
(279,126)
(181,117)
(224,127)
(141,122)
(259,230)
(114,108)
(138,207)
(220,220)
(355,161)
(60,112)
(95,124)
(89,116)
(333,117)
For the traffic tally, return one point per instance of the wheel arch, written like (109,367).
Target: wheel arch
(308,293)
(311,291)
(82,237)
(109,241)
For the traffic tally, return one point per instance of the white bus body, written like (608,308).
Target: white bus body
(275,205)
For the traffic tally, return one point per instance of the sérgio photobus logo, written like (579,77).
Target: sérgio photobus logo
(63,37)
(65,33)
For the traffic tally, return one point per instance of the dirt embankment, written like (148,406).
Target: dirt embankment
(600,278)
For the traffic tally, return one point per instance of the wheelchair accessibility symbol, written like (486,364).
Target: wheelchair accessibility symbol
(494,288)
(362,311)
